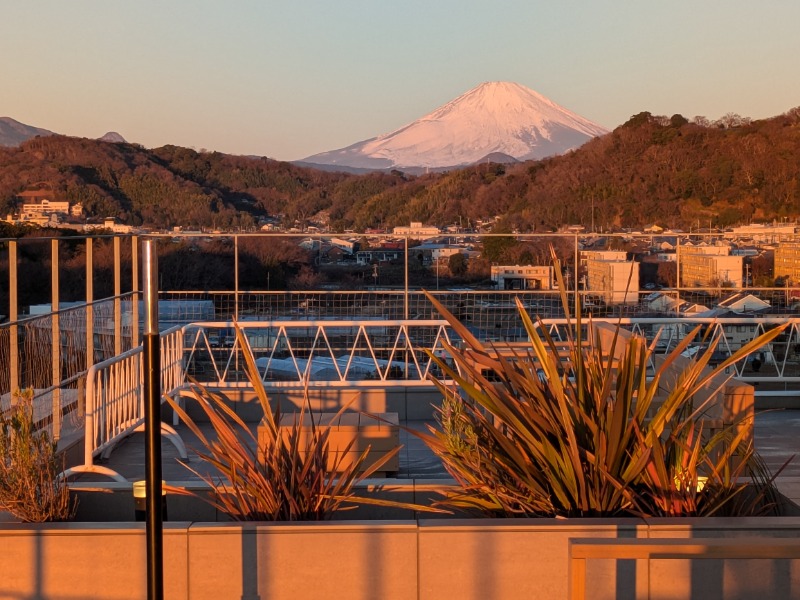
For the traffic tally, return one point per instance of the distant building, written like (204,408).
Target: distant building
(416,230)
(334,254)
(660,302)
(709,266)
(667,256)
(40,207)
(764,232)
(379,255)
(41,202)
(787,262)
(310,244)
(516,277)
(443,251)
(112,224)
(347,246)
(743,302)
(45,207)
(615,281)
(586,255)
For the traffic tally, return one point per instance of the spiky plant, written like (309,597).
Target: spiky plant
(284,478)
(30,488)
(581,431)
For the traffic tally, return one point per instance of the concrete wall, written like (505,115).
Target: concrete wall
(413,560)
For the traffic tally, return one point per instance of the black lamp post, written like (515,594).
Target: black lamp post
(152,421)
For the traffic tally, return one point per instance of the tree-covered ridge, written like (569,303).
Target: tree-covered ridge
(651,169)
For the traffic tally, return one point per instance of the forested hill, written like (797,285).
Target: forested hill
(651,169)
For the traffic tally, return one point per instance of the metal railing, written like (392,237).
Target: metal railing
(49,354)
(115,401)
(317,353)
(354,353)
(339,352)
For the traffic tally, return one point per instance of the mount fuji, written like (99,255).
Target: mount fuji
(494,120)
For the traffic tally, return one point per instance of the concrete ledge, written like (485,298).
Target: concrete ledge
(428,559)
(671,549)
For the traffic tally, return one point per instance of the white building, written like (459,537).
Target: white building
(516,277)
(416,230)
(615,281)
(116,227)
(45,207)
(110,224)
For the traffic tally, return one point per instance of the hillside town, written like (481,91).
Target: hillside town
(735,271)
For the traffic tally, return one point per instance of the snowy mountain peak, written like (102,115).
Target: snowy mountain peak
(494,117)
(112,137)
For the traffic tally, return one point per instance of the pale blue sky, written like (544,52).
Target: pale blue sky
(290,79)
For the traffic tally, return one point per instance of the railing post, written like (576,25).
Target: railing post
(13,341)
(55,340)
(152,420)
(236,277)
(135,289)
(117,299)
(575,274)
(89,306)
(405,287)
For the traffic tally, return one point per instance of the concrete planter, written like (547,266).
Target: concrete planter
(413,560)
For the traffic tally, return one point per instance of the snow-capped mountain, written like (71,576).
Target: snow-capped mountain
(112,137)
(495,117)
(13,133)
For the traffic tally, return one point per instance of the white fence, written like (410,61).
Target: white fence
(115,401)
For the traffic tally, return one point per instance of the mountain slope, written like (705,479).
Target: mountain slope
(650,169)
(495,117)
(13,133)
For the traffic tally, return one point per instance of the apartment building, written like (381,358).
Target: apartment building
(709,266)
(787,262)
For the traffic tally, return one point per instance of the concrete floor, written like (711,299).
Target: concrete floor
(777,436)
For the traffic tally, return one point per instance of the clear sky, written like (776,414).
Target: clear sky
(290,79)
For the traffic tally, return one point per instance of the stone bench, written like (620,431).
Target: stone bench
(380,436)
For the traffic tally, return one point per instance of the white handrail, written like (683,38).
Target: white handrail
(115,401)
